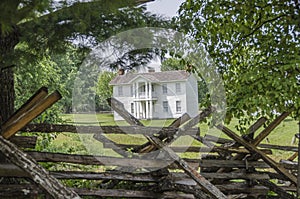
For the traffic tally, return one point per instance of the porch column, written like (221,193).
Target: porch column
(137,110)
(141,110)
(150,90)
(151,109)
(134,108)
(147,110)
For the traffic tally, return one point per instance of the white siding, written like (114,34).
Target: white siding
(192,96)
(171,96)
(126,99)
(188,97)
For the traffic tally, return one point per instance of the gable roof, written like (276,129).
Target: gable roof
(156,77)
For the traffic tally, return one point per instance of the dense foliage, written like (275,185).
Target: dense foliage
(45,42)
(255,45)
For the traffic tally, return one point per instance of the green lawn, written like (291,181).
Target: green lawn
(73,143)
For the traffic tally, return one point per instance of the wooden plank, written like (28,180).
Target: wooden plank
(50,128)
(237,175)
(277,147)
(122,193)
(148,147)
(181,149)
(24,141)
(29,115)
(269,128)
(10,170)
(248,137)
(293,157)
(169,185)
(36,172)
(217,140)
(142,148)
(254,127)
(38,96)
(273,187)
(289,164)
(11,191)
(253,149)
(205,184)
(235,188)
(289,188)
(232,187)
(179,121)
(31,191)
(101,138)
(119,108)
(107,175)
(251,130)
(194,121)
(97,160)
(212,138)
(104,160)
(232,164)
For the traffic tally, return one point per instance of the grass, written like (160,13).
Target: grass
(75,143)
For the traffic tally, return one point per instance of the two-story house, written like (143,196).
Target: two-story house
(159,95)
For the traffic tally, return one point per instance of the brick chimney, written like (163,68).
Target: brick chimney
(121,71)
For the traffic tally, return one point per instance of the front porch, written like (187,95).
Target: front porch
(143,109)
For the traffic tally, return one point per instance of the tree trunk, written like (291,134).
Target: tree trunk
(8,41)
(7,95)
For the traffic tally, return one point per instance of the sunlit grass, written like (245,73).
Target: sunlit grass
(70,142)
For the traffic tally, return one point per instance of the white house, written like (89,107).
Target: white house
(159,95)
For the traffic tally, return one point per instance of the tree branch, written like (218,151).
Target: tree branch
(263,23)
(7,67)
(82,5)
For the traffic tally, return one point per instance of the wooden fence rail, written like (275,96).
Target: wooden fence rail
(229,168)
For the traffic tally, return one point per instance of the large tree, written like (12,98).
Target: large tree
(255,45)
(31,30)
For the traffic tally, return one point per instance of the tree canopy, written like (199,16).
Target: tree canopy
(255,45)
(38,36)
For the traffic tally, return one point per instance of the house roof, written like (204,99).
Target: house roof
(156,77)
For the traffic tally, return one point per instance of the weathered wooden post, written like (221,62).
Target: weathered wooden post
(37,104)
(199,179)
(252,148)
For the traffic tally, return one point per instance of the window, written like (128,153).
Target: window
(132,108)
(165,106)
(143,88)
(164,88)
(153,106)
(152,87)
(120,90)
(178,88)
(178,106)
